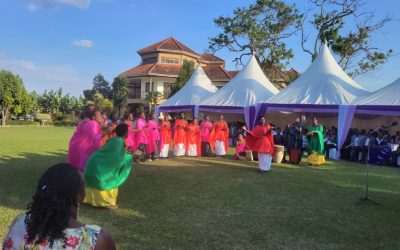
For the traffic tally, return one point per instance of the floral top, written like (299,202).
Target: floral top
(81,238)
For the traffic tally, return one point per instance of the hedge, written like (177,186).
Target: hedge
(20,122)
(62,123)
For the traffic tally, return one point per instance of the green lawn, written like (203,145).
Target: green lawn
(217,203)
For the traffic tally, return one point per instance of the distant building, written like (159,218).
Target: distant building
(160,66)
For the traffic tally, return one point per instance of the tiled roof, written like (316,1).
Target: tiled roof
(169,43)
(217,73)
(141,69)
(166,69)
(210,58)
(214,72)
(233,73)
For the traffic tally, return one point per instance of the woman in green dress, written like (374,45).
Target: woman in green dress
(107,169)
(316,155)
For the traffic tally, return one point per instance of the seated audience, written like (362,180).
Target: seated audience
(379,152)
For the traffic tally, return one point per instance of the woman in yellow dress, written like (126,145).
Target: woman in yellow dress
(107,169)
(316,155)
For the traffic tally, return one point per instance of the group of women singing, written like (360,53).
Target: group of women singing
(104,150)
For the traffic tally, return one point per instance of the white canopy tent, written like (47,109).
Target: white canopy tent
(249,87)
(198,88)
(388,95)
(324,82)
(383,102)
(324,88)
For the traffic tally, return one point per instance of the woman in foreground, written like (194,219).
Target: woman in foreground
(107,169)
(51,221)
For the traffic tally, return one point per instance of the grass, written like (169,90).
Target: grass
(216,203)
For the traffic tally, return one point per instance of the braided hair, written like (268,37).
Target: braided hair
(48,214)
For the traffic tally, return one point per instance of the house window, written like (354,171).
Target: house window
(134,90)
(149,87)
(149,60)
(170,60)
(168,89)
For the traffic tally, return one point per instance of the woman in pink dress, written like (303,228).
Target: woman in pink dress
(205,130)
(86,138)
(153,148)
(130,140)
(141,135)
(240,146)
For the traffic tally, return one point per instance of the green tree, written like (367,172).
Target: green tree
(89,94)
(12,94)
(153,97)
(260,29)
(348,28)
(183,76)
(67,104)
(102,104)
(33,107)
(46,101)
(101,85)
(120,92)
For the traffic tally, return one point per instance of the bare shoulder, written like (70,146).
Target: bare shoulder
(105,241)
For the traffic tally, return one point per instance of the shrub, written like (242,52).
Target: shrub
(64,123)
(42,118)
(23,122)
(58,116)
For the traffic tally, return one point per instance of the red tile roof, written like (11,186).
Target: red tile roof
(206,57)
(217,73)
(141,69)
(233,73)
(214,72)
(171,70)
(169,43)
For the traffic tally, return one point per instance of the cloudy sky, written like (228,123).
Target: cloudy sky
(64,43)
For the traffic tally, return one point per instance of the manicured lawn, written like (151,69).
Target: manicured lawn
(218,203)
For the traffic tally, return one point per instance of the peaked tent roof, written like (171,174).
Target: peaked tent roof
(324,82)
(198,88)
(388,95)
(247,88)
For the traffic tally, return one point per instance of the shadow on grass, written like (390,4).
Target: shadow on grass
(19,176)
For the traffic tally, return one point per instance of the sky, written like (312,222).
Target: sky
(65,43)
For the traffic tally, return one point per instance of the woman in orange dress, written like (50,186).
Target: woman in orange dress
(260,140)
(180,135)
(193,139)
(166,136)
(219,137)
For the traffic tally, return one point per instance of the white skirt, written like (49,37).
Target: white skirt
(164,151)
(264,161)
(192,150)
(179,149)
(220,148)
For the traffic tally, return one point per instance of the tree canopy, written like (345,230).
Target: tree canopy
(265,27)
(12,94)
(348,28)
(260,29)
(120,92)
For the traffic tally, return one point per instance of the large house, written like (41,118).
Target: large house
(160,66)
